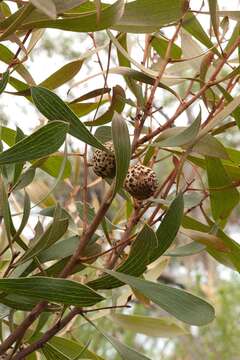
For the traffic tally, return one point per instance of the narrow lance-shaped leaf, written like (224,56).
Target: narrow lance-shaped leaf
(150,326)
(41,143)
(124,351)
(181,304)
(53,233)
(4,81)
(144,16)
(53,290)
(186,136)
(122,149)
(85,22)
(58,78)
(136,262)
(51,106)
(169,227)
(192,25)
(223,196)
(117,105)
(187,250)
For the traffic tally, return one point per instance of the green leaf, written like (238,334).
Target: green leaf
(57,79)
(51,106)
(160,45)
(187,136)
(72,348)
(103,133)
(7,55)
(53,233)
(223,196)
(187,250)
(124,351)
(42,142)
(208,145)
(79,22)
(19,166)
(91,94)
(214,16)
(63,75)
(51,353)
(146,16)
(25,217)
(136,262)
(236,113)
(169,227)
(122,149)
(53,164)
(160,327)
(192,25)
(181,304)
(124,61)
(229,108)
(4,81)
(61,291)
(117,105)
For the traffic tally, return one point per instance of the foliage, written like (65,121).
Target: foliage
(95,250)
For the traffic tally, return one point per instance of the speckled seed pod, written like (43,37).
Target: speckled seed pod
(141,182)
(103,162)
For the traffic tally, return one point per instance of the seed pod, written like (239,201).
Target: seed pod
(104,162)
(141,182)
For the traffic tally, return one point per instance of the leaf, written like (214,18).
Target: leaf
(146,16)
(82,23)
(223,196)
(18,167)
(209,240)
(4,81)
(160,45)
(61,291)
(51,353)
(192,25)
(60,77)
(25,217)
(72,348)
(160,327)
(208,145)
(124,61)
(169,227)
(6,55)
(229,108)
(51,106)
(236,113)
(25,179)
(214,16)
(186,136)
(179,303)
(117,105)
(186,250)
(124,351)
(136,262)
(46,6)
(122,149)
(42,142)
(103,133)
(53,233)
(63,75)
(91,94)
(52,165)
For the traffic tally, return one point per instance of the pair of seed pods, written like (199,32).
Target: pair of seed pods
(141,181)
